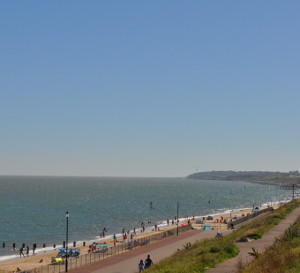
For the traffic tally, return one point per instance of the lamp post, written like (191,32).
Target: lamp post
(177,216)
(67,231)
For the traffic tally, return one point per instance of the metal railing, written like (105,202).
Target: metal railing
(110,251)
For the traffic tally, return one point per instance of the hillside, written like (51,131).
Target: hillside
(278,178)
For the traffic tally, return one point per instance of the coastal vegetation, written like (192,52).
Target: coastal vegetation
(258,227)
(283,256)
(277,178)
(202,255)
(197,257)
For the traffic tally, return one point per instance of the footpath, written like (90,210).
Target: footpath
(231,266)
(128,261)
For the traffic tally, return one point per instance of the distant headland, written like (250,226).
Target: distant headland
(277,178)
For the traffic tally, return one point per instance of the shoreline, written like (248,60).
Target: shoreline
(42,259)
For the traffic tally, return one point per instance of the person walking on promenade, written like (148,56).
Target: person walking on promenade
(141,266)
(148,262)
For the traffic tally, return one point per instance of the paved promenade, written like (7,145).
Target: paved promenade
(128,262)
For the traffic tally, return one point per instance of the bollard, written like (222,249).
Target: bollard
(74,244)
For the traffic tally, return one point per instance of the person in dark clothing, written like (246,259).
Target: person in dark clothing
(141,266)
(148,262)
(21,252)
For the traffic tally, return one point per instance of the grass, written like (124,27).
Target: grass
(258,227)
(206,254)
(283,256)
(197,257)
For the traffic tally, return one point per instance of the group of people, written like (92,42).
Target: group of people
(102,234)
(147,264)
(21,251)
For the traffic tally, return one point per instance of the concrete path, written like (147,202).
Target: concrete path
(128,262)
(268,239)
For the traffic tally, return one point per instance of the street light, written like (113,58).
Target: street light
(67,230)
(177,216)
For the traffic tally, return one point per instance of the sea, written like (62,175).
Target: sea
(33,208)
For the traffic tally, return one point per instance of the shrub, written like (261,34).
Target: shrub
(214,250)
(229,249)
(254,236)
(243,239)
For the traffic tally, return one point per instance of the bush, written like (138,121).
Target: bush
(229,249)
(243,239)
(254,236)
(214,250)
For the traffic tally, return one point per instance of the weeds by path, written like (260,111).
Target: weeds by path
(283,256)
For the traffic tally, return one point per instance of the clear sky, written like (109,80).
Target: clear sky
(149,88)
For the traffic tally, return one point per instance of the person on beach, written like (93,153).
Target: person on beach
(103,232)
(148,262)
(27,251)
(141,266)
(115,239)
(21,252)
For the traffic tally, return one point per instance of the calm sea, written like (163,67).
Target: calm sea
(33,208)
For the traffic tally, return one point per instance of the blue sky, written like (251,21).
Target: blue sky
(148,88)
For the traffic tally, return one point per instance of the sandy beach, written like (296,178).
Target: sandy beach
(218,223)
